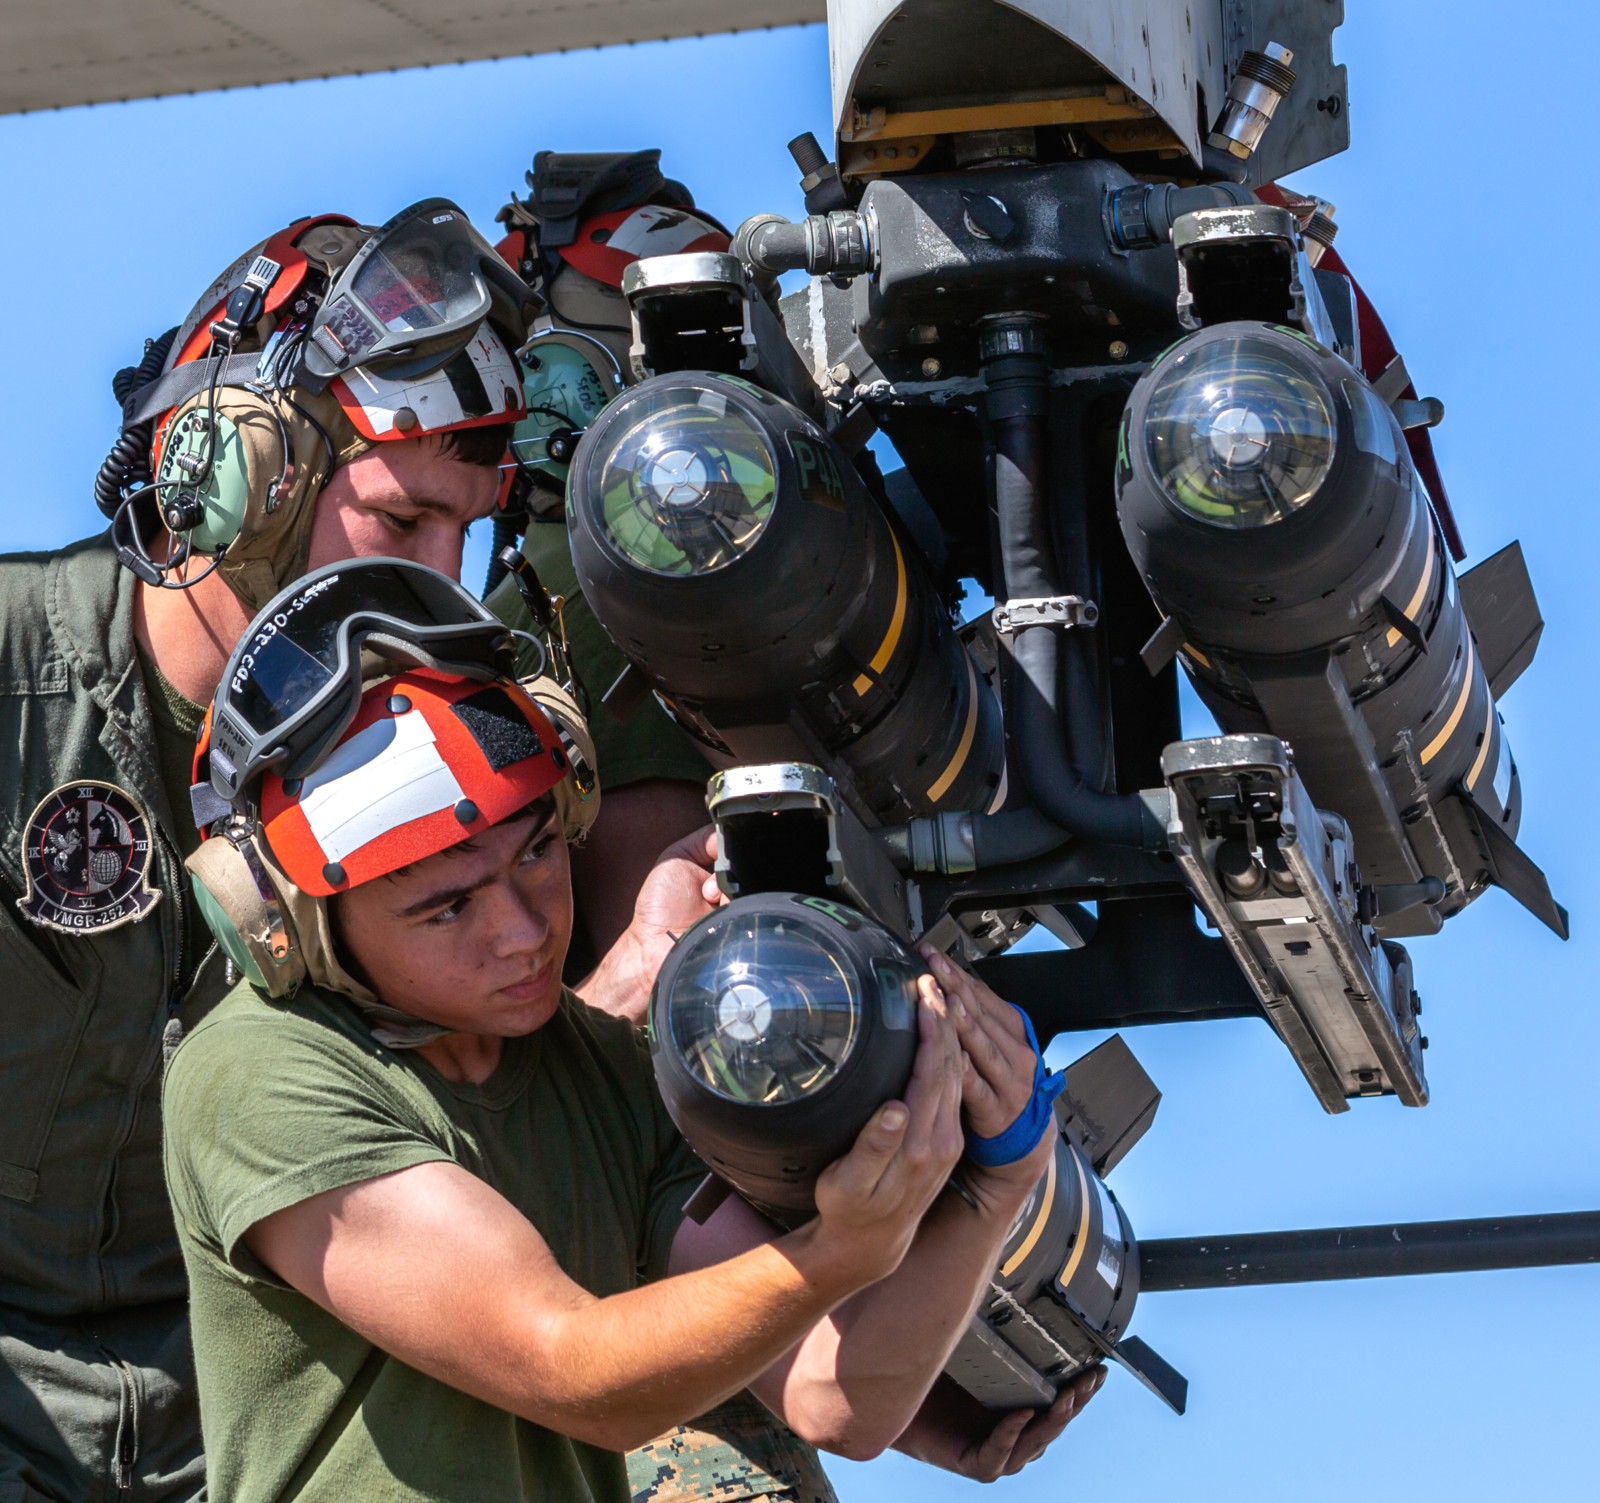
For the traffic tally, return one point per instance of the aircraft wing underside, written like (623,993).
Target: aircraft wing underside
(95,51)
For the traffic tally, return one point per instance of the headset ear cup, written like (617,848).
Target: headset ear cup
(208,457)
(236,896)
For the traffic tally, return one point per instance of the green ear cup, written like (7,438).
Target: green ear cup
(225,491)
(564,390)
(227,935)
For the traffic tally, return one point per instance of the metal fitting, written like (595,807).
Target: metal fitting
(1259,85)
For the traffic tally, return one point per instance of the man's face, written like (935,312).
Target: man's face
(406,499)
(472,939)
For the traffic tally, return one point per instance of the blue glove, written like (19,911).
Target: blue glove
(1019,1140)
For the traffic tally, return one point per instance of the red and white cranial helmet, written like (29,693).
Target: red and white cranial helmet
(607,244)
(429,761)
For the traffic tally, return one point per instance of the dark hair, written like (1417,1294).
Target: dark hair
(486,445)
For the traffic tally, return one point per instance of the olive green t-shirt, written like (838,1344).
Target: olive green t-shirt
(268,1104)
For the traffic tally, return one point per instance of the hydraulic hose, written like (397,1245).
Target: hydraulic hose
(1017,381)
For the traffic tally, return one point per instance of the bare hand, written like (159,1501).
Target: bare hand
(954,1432)
(870,1202)
(997,1077)
(1024,1434)
(679,891)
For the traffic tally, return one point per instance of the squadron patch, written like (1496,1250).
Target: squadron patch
(86,853)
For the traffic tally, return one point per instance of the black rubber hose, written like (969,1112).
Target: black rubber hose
(1017,380)
(1012,836)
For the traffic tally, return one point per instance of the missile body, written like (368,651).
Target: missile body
(729,547)
(1267,496)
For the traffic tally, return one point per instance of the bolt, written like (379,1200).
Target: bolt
(840,374)
(931,368)
(1119,349)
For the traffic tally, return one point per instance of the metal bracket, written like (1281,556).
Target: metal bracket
(1045,610)
(1278,880)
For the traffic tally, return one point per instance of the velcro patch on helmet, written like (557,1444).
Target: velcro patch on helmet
(499,727)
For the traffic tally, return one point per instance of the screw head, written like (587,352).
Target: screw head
(1119,349)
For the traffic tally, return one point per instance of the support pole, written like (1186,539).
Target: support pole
(1369,1252)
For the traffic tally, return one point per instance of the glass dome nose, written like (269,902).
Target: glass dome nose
(1238,435)
(689,484)
(761,1011)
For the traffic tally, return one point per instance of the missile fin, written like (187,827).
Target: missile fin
(707,1197)
(1162,647)
(1108,1102)
(1512,868)
(1402,623)
(1499,602)
(627,693)
(1154,1371)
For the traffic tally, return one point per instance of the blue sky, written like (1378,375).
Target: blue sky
(1468,209)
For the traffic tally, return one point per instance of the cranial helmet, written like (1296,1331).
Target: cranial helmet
(367,719)
(586,219)
(324,340)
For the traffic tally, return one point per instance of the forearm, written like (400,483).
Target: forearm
(857,1381)
(617,1371)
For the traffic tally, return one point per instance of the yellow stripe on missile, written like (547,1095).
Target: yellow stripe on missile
(1483,751)
(1434,747)
(891,640)
(1082,1240)
(942,783)
(1414,605)
(1014,1262)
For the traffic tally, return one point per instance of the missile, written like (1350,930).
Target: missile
(1267,497)
(729,547)
(782,1022)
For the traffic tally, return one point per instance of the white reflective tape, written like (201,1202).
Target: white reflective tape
(1502,770)
(381,778)
(1109,1263)
(433,398)
(652,231)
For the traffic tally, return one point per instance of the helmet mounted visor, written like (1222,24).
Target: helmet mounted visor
(412,296)
(294,682)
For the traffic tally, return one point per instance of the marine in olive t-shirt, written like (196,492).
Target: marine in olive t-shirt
(268,1104)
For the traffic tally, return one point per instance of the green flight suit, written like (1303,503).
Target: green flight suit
(96,1385)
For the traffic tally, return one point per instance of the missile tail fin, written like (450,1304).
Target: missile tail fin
(1512,868)
(1108,1103)
(1154,1371)
(1498,598)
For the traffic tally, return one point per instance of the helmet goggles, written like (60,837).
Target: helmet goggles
(293,683)
(412,296)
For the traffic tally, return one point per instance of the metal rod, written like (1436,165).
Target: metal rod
(1369,1252)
